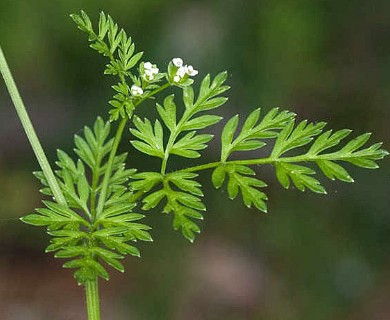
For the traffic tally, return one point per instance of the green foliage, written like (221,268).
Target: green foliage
(78,233)
(180,191)
(241,179)
(253,132)
(281,126)
(181,195)
(152,137)
(110,42)
(113,43)
(98,226)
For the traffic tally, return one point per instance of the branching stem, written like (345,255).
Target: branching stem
(117,140)
(269,160)
(91,287)
(178,129)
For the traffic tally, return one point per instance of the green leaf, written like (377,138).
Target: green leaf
(188,97)
(134,60)
(83,189)
(116,210)
(218,176)
(356,143)
(187,145)
(291,138)
(253,132)
(103,25)
(227,136)
(83,22)
(201,122)
(334,171)
(116,243)
(75,234)
(153,199)
(168,112)
(184,206)
(299,175)
(145,181)
(152,137)
(113,43)
(111,258)
(327,140)
(185,182)
(250,193)
(241,180)
(71,252)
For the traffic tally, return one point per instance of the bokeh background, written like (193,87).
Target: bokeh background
(313,257)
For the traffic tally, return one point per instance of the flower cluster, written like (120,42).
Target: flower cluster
(182,71)
(178,74)
(150,71)
(136,91)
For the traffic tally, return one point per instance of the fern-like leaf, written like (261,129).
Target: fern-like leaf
(182,195)
(113,43)
(241,179)
(290,170)
(77,233)
(253,132)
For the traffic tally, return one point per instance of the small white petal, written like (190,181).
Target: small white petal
(191,71)
(148,65)
(178,62)
(155,70)
(181,72)
(136,91)
(176,78)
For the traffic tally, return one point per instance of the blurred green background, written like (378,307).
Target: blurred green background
(313,257)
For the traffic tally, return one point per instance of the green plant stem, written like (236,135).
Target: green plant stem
(178,129)
(92,297)
(29,129)
(153,93)
(270,160)
(95,181)
(172,139)
(117,139)
(106,179)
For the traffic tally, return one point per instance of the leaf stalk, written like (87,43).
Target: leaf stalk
(29,129)
(92,299)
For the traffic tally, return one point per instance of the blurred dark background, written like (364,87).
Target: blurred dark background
(313,257)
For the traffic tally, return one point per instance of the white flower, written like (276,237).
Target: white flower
(136,91)
(181,72)
(148,76)
(178,62)
(148,65)
(191,71)
(150,71)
